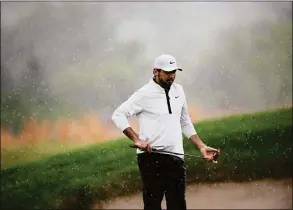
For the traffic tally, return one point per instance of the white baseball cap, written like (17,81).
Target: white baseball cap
(166,62)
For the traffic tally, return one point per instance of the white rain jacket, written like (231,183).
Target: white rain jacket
(161,122)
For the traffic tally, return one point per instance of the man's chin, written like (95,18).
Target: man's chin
(168,84)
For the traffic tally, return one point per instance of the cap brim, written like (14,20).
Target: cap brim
(172,69)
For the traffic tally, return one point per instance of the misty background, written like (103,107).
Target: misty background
(64,58)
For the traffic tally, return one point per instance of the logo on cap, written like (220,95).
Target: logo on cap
(171,62)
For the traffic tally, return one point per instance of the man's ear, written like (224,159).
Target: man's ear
(156,72)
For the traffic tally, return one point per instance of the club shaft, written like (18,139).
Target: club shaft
(167,152)
(175,153)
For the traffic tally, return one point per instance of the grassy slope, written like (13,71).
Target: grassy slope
(20,155)
(252,146)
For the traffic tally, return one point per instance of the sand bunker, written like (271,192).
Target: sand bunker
(264,194)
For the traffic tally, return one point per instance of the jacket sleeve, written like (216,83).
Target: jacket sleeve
(186,124)
(130,107)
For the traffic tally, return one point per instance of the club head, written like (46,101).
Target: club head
(216,156)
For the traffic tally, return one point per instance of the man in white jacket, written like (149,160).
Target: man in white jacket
(161,109)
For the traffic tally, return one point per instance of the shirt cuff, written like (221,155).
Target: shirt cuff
(188,131)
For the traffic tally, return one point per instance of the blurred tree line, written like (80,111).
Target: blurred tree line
(49,69)
(255,65)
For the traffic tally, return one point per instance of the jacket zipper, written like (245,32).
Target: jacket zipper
(168,101)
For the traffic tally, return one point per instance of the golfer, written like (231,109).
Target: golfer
(161,109)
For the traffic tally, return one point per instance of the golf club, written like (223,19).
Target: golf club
(154,150)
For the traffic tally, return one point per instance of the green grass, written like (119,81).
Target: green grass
(253,146)
(27,153)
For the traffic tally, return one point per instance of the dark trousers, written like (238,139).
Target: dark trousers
(162,174)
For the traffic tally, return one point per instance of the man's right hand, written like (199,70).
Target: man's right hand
(138,143)
(143,145)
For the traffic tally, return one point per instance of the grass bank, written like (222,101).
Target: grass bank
(253,146)
(17,155)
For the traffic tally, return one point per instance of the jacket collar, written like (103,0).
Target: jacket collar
(156,86)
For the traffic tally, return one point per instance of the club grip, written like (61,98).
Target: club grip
(145,149)
(133,146)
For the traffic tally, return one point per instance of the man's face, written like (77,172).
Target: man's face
(165,78)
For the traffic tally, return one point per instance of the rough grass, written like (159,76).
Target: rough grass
(253,146)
